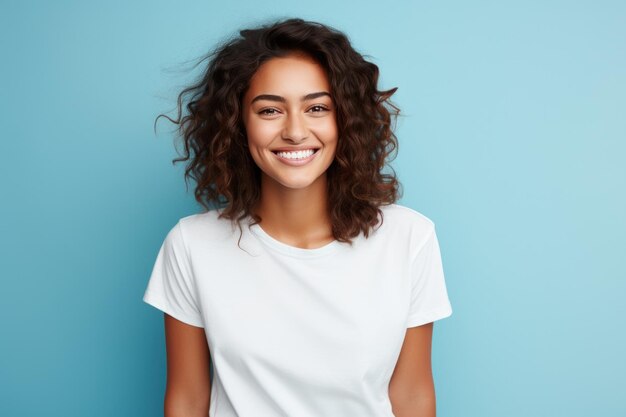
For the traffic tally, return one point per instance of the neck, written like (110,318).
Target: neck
(298,217)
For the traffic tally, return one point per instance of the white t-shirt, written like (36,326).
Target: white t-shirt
(301,332)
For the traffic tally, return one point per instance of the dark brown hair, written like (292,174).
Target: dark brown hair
(210,124)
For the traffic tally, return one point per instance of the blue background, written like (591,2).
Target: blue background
(512,141)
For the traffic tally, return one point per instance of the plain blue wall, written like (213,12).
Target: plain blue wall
(512,140)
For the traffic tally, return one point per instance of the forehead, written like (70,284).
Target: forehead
(290,75)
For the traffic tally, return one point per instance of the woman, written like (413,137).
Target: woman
(323,302)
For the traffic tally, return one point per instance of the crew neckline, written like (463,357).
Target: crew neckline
(290,250)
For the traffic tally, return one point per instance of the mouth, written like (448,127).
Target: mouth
(298,158)
(301,154)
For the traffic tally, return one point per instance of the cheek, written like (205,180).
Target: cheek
(260,134)
(329,133)
(259,138)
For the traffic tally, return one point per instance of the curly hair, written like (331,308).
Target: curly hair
(215,140)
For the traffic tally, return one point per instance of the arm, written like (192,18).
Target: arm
(411,389)
(188,390)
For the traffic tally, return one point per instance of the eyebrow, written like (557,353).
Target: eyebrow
(272,97)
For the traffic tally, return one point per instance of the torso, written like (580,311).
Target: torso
(303,332)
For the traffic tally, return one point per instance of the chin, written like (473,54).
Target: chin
(295,183)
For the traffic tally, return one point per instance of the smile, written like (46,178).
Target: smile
(296,158)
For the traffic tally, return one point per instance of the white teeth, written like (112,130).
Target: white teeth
(296,155)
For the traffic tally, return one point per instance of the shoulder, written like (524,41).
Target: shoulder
(206,227)
(407,225)
(204,219)
(402,216)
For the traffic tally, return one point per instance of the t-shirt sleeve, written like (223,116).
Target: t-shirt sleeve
(429,296)
(171,287)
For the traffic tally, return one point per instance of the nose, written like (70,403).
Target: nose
(295,128)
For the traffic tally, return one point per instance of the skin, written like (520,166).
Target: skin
(412,389)
(293,201)
(294,210)
(188,386)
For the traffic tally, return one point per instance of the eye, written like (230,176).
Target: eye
(268,112)
(318,109)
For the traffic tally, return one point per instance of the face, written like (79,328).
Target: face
(290,121)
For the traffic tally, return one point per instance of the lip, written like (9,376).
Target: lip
(302,148)
(296,162)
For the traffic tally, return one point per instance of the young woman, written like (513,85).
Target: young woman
(322,302)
